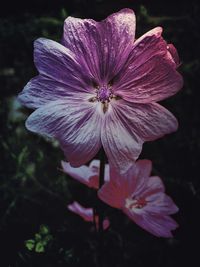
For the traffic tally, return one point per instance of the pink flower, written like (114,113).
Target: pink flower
(100,88)
(88,175)
(87,214)
(142,198)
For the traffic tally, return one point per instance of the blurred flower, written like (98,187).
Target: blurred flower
(87,214)
(142,198)
(88,175)
(100,88)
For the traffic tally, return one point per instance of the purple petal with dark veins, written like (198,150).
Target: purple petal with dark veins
(121,144)
(76,124)
(41,89)
(102,47)
(148,121)
(59,63)
(150,73)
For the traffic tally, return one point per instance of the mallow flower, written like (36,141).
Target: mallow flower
(87,214)
(88,175)
(142,198)
(100,87)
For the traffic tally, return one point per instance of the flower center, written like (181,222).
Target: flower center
(104,94)
(133,204)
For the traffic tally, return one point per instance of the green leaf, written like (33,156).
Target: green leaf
(44,229)
(39,247)
(38,237)
(30,244)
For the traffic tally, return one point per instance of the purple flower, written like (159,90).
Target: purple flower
(100,88)
(142,198)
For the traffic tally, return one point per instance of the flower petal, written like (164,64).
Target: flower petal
(118,32)
(101,47)
(112,194)
(155,184)
(147,121)
(95,165)
(174,54)
(107,173)
(124,181)
(150,74)
(160,226)
(41,90)
(145,167)
(159,203)
(88,175)
(85,213)
(106,224)
(81,174)
(58,63)
(121,144)
(139,180)
(76,124)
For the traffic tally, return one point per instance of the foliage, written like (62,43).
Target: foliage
(41,240)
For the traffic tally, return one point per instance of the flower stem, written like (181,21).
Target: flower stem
(101,182)
(100,211)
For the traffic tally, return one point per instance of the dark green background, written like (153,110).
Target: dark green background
(33,190)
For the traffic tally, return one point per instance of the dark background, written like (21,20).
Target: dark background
(34,192)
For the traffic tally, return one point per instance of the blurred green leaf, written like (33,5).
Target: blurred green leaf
(44,229)
(39,247)
(38,237)
(30,244)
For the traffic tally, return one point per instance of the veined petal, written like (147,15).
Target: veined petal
(155,184)
(41,90)
(76,124)
(159,203)
(150,73)
(102,47)
(160,226)
(82,37)
(58,63)
(121,144)
(118,32)
(151,186)
(153,81)
(147,121)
